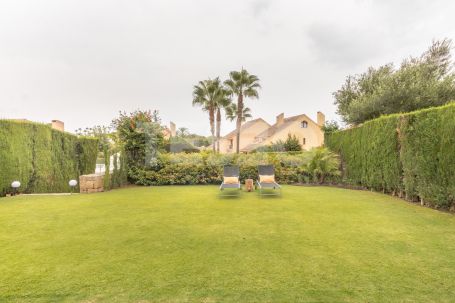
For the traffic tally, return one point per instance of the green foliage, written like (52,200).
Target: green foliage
(118,177)
(292,144)
(243,85)
(107,169)
(86,152)
(140,136)
(212,96)
(41,158)
(102,133)
(418,83)
(207,168)
(330,127)
(322,163)
(182,132)
(109,146)
(232,113)
(277,146)
(410,154)
(370,154)
(199,141)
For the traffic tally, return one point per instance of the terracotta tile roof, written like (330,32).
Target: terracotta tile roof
(251,147)
(245,126)
(277,128)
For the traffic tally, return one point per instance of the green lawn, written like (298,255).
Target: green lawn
(185,244)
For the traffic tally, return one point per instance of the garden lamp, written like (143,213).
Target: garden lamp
(15,185)
(72,184)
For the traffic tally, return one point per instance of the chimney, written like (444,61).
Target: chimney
(58,125)
(280,119)
(172,129)
(321,119)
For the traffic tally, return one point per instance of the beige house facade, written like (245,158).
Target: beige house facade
(258,132)
(248,133)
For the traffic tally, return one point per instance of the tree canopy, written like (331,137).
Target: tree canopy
(419,82)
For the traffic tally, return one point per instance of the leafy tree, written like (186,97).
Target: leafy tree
(242,84)
(418,83)
(141,136)
(330,127)
(292,143)
(321,163)
(200,141)
(102,133)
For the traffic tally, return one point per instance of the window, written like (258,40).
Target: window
(231,143)
(304,141)
(304,124)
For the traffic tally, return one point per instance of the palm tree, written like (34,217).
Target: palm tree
(212,96)
(203,96)
(231,112)
(182,132)
(242,84)
(222,101)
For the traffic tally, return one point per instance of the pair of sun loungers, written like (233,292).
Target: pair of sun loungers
(266,183)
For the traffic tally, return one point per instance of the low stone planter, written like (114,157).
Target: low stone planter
(91,183)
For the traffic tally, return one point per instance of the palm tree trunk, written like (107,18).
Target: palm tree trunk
(239,120)
(212,127)
(218,129)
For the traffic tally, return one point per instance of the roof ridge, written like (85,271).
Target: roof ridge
(246,125)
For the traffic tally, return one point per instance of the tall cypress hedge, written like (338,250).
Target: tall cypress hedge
(409,154)
(41,158)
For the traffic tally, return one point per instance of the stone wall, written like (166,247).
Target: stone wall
(91,183)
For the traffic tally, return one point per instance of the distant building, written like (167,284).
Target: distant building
(170,131)
(258,132)
(58,125)
(55,124)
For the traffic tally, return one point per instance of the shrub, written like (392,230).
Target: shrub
(207,168)
(330,127)
(410,154)
(140,135)
(292,143)
(41,158)
(322,163)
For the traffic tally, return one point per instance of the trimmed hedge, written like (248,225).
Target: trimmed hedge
(411,155)
(207,168)
(41,158)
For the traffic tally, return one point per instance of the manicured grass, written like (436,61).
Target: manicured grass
(185,244)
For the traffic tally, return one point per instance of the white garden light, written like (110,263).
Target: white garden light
(15,185)
(73,184)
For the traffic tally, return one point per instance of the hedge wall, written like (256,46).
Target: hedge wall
(41,158)
(411,154)
(207,168)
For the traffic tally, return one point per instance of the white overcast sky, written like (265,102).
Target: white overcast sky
(81,61)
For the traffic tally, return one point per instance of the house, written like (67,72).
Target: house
(248,133)
(169,132)
(257,133)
